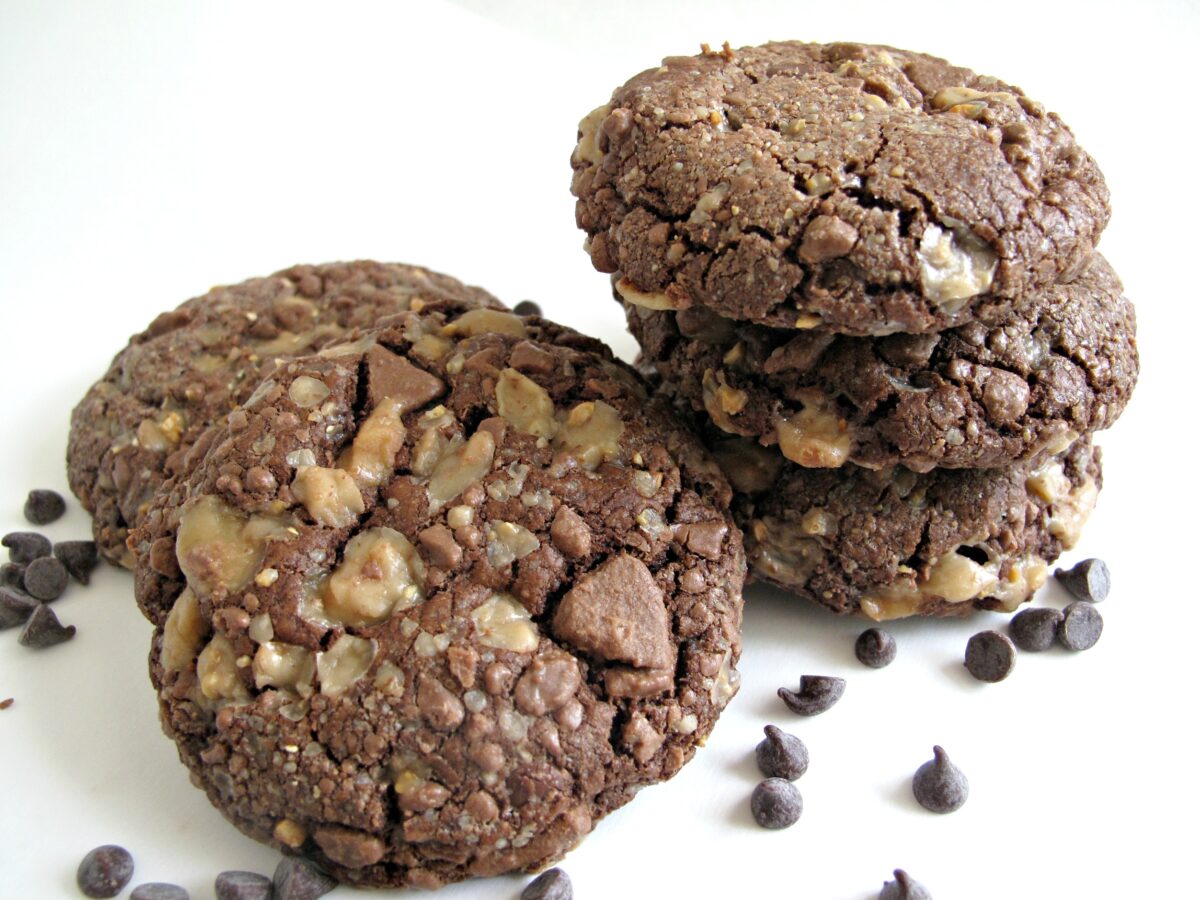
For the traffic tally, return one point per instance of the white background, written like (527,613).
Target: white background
(150,150)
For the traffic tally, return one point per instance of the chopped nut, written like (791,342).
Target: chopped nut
(307,391)
(588,148)
(346,661)
(955,266)
(182,633)
(650,299)
(508,542)
(218,547)
(525,404)
(815,437)
(461,467)
(217,673)
(285,666)
(381,573)
(330,495)
(380,437)
(591,433)
(722,401)
(486,321)
(502,622)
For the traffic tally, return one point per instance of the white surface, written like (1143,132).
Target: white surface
(149,150)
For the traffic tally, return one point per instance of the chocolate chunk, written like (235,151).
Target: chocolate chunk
(553,884)
(781,755)
(776,803)
(825,238)
(570,533)
(15,607)
(939,785)
(46,578)
(817,693)
(25,546)
(44,630)
(527,308)
(11,575)
(299,879)
(43,507)
(105,871)
(875,648)
(389,375)
(440,547)
(237,885)
(1080,627)
(1034,629)
(80,558)
(904,888)
(1088,580)
(158,890)
(990,656)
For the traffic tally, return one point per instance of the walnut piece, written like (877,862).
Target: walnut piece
(346,661)
(370,458)
(461,467)
(182,633)
(502,622)
(330,495)
(284,666)
(591,433)
(524,404)
(218,547)
(381,573)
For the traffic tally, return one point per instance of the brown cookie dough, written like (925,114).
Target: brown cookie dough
(1004,388)
(846,187)
(197,362)
(431,608)
(892,543)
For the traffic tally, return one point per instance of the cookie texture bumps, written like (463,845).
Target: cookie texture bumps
(845,187)
(434,602)
(194,364)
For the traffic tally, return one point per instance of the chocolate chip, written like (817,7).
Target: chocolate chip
(817,693)
(875,648)
(158,890)
(939,785)
(15,607)
(904,888)
(25,546)
(1034,629)
(1088,580)
(527,308)
(1080,626)
(299,879)
(80,558)
(105,871)
(44,507)
(990,656)
(6,702)
(243,886)
(46,578)
(11,575)
(44,630)
(781,755)
(553,884)
(776,803)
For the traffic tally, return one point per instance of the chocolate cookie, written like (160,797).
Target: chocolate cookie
(197,362)
(1000,389)
(893,543)
(438,604)
(846,187)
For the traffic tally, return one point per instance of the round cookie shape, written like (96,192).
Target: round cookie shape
(194,364)
(430,608)
(893,543)
(852,188)
(1007,387)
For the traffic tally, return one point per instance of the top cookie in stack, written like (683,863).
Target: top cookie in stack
(861,259)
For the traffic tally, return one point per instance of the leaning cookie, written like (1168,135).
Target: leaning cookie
(197,362)
(847,187)
(438,604)
(892,543)
(1002,389)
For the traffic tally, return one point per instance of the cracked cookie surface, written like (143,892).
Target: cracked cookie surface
(846,187)
(194,364)
(431,604)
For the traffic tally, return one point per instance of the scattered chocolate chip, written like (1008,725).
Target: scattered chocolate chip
(243,886)
(817,693)
(158,890)
(11,575)
(939,785)
(776,803)
(553,884)
(46,578)
(875,648)
(6,703)
(80,558)
(1034,629)
(25,546)
(299,879)
(105,871)
(781,755)
(904,888)
(990,656)
(44,507)
(528,308)
(1080,626)
(1088,580)
(15,607)
(44,630)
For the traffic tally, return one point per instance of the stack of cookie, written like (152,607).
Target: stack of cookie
(872,277)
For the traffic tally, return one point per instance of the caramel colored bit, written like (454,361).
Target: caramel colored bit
(348,847)
(289,833)
(591,433)
(461,467)
(370,458)
(486,321)
(330,495)
(525,405)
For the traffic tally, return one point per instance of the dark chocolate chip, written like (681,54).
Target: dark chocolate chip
(46,578)
(527,308)
(553,884)
(243,886)
(875,648)
(44,630)
(105,871)
(904,888)
(44,507)
(1088,580)
(1080,626)
(6,702)
(25,546)
(299,879)
(990,656)
(15,607)
(11,575)
(1034,629)
(80,558)
(817,693)
(939,785)
(781,755)
(776,803)
(158,890)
